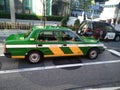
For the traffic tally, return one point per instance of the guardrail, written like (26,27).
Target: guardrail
(17,25)
(23,24)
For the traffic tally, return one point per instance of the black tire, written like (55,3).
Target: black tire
(34,57)
(117,38)
(93,53)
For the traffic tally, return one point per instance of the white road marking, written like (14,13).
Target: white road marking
(2,55)
(57,67)
(114,52)
(109,88)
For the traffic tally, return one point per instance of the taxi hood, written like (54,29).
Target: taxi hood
(89,39)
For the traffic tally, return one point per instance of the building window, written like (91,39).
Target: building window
(4,6)
(27,4)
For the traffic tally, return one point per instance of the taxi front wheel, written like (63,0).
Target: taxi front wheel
(93,53)
(34,57)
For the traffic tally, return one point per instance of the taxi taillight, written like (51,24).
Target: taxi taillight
(4,48)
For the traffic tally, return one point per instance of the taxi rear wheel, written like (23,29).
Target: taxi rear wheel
(93,53)
(34,57)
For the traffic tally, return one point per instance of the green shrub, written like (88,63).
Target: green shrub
(71,27)
(54,18)
(31,17)
(28,17)
(4,15)
(64,22)
(77,24)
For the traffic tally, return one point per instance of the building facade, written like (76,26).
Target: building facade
(111,9)
(27,6)
(52,7)
(4,6)
(80,6)
(61,7)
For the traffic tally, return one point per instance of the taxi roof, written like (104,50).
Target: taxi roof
(49,28)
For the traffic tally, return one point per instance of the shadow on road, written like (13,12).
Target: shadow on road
(67,61)
(25,64)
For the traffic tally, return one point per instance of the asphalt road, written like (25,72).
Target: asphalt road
(74,73)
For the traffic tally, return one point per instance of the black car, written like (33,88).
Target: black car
(98,30)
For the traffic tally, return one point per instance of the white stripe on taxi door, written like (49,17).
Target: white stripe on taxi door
(46,45)
(21,46)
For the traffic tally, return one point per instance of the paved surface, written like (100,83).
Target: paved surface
(100,73)
(17,74)
(74,78)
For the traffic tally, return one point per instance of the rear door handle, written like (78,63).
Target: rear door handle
(64,44)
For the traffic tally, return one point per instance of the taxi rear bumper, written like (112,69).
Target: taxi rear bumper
(7,54)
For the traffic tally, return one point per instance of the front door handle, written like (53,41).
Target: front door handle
(39,44)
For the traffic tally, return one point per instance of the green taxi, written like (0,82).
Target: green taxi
(50,41)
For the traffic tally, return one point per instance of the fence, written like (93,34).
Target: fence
(20,26)
(24,25)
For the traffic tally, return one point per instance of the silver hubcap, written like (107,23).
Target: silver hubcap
(34,57)
(93,54)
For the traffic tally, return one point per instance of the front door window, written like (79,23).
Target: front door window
(69,36)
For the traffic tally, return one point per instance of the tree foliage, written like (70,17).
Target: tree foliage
(84,4)
(77,24)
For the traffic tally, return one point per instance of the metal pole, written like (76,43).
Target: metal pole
(12,11)
(44,13)
(84,16)
(118,11)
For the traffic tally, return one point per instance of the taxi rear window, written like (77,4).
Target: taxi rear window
(28,33)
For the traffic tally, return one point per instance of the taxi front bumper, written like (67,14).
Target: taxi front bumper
(101,50)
